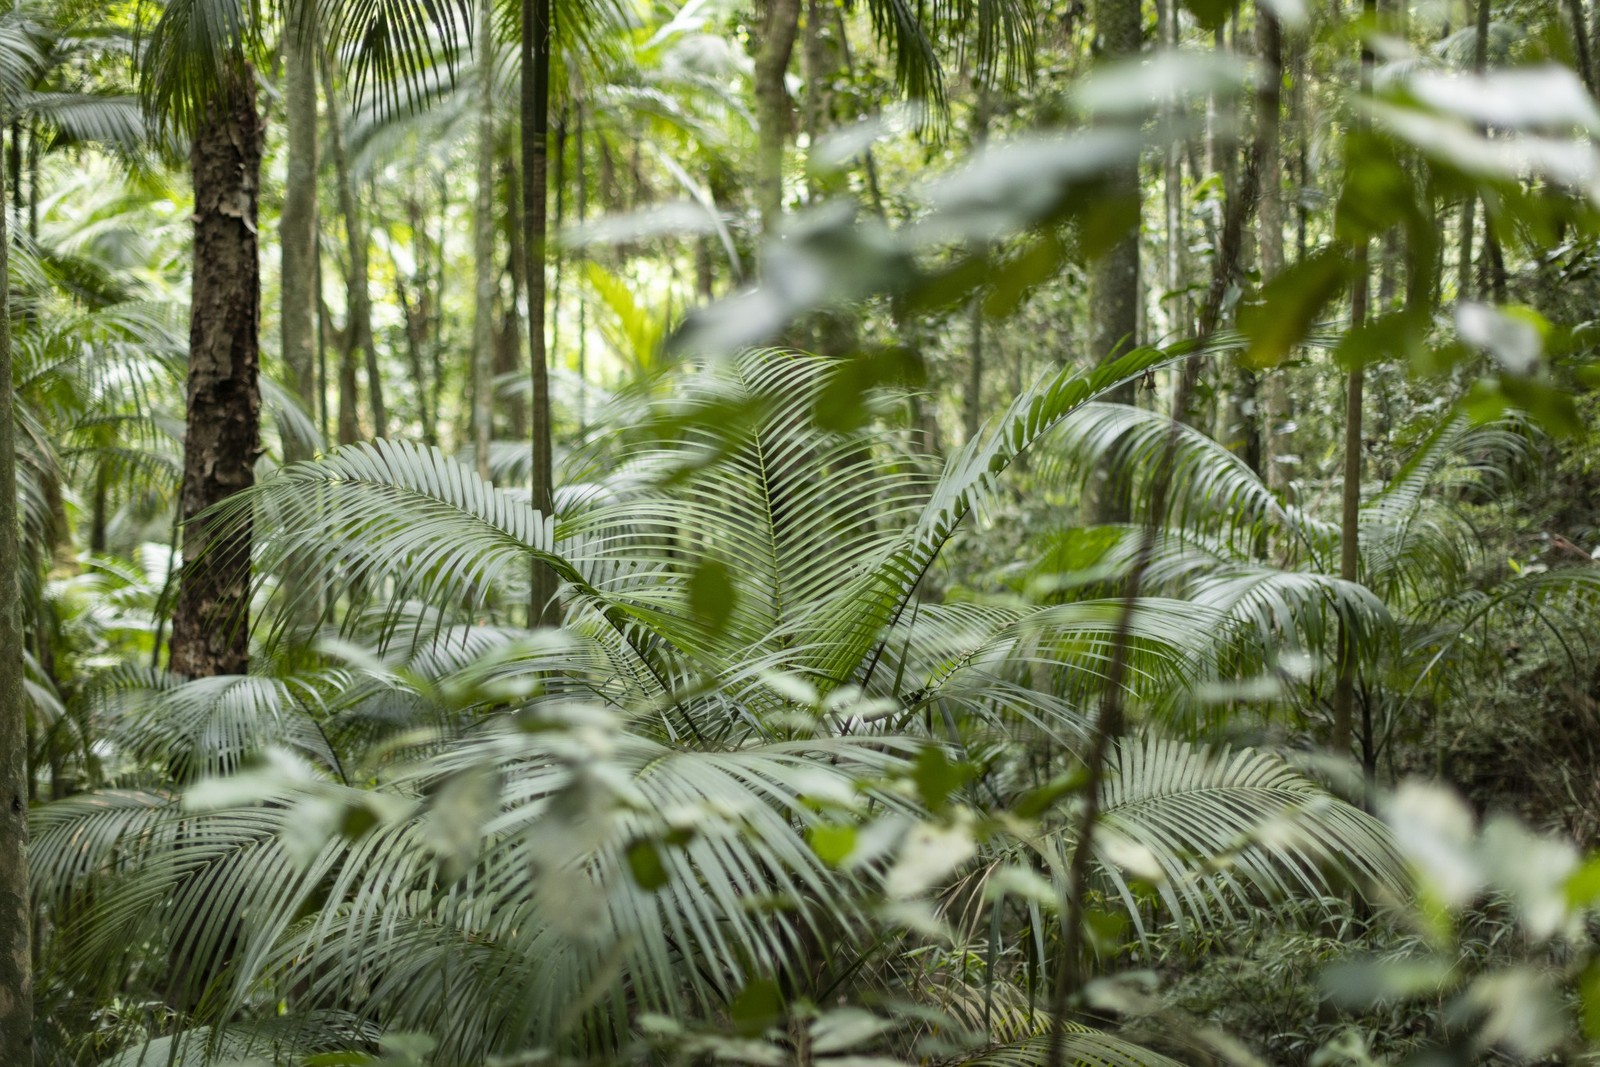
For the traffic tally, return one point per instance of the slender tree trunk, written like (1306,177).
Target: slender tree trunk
(972,411)
(16,912)
(297,225)
(210,626)
(1277,401)
(33,182)
(322,344)
(1350,518)
(483,249)
(1480,59)
(508,343)
(416,309)
(780,27)
(1114,276)
(535,63)
(581,206)
(1172,189)
(1580,40)
(358,297)
(557,271)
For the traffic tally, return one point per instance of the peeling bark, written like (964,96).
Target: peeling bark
(210,626)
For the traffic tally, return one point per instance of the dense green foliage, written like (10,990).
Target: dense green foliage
(1072,529)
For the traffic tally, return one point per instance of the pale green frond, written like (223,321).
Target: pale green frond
(1215,829)
(874,600)
(1080,1047)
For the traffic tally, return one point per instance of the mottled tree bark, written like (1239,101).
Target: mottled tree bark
(297,226)
(210,626)
(16,927)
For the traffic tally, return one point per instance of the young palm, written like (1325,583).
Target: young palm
(648,810)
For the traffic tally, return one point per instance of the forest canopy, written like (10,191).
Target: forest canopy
(803,533)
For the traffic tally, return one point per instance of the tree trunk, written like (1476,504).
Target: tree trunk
(508,342)
(1276,401)
(358,298)
(535,63)
(1114,277)
(1480,59)
(211,626)
(16,913)
(297,226)
(1350,517)
(581,206)
(1580,41)
(780,26)
(483,249)
(972,407)
(1172,190)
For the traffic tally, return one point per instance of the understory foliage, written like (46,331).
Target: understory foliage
(1073,536)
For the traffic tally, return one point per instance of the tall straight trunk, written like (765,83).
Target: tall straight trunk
(972,405)
(1114,277)
(16,912)
(358,298)
(1172,188)
(297,225)
(508,343)
(416,309)
(1344,687)
(322,342)
(1480,60)
(483,248)
(1276,401)
(581,206)
(210,625)
(534,60)
(33,181)
(559,261)
(1580,40)
(780,26)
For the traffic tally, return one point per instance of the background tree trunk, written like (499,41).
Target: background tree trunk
(16,913)
(211,626)
(483,249)
(535,63)
(780,26)
(358,298)
(1114,277)
(1276,401)
(297,226)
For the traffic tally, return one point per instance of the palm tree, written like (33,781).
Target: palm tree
(197,75)
(671,801)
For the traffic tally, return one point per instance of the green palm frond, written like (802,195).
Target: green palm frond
(195,54)
(1080,1047)
(875,599)
(1215,829)
(1212,491)
(397,512)
(116,122)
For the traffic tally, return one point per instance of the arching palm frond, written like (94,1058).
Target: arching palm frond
(1212,829)
(1080,1047)
(112,121)
(396,512)
(877,598)
(1211,491)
